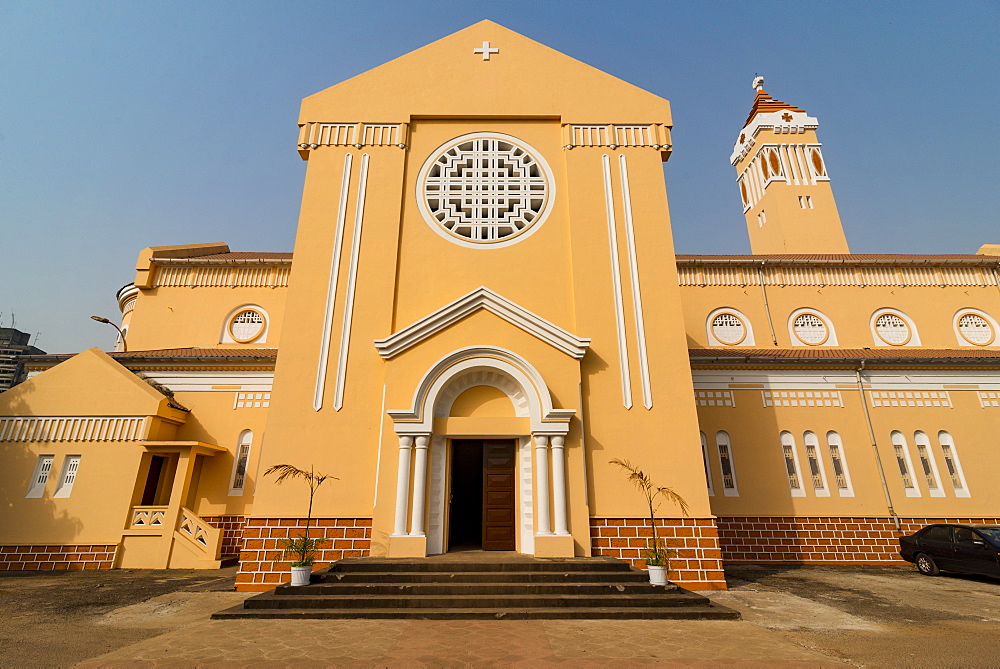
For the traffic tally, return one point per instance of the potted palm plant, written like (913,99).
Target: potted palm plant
(302,549)
(657,554)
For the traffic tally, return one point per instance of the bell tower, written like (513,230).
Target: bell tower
(787,199)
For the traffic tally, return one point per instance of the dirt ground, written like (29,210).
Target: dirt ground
(58,618)
(883,616)
(874,616)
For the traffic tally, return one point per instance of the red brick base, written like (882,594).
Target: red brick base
(232,532)
(74,556)
(262,565)
(834,540)
(698,564)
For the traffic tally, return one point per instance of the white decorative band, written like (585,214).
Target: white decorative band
(358,135)
(610,135)
(748,274)
(71,429)
(235,276)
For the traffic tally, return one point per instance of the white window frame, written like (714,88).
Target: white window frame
(948,444)
(809,439)
(40,475)
(914,339)
(708,467)
(923,443)
(787,440)
(898,439)
(723,442)
(245,441)
(748,338)
(833,441)
(67,477)
(831,332)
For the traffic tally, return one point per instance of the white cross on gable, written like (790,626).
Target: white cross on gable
(486,50)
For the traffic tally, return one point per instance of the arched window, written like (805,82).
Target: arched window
(708,469)
(817,471)
(240,463)
(928,465)
(905,464)
(726,466)
(840,472)
(729,327)
(792,470)
(952,463)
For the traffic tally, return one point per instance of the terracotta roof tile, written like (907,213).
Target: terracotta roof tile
(763,103)
(217,353)
(247,255)
(844,258)
(886,354)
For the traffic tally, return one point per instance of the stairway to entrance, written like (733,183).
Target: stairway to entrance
(480,586)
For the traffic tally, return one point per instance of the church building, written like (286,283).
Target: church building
(483,308)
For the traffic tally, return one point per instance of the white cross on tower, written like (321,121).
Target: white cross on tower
(486,50)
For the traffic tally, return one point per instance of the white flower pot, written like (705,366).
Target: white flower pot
(657,575)
(300,575)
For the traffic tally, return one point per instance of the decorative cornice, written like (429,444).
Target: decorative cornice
(482,298)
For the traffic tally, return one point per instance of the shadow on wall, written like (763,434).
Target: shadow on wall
(17,512)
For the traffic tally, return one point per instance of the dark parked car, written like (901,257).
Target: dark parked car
(973,549)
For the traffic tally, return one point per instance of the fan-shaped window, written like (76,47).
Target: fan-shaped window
(729,327)
(810,328)
(975,328)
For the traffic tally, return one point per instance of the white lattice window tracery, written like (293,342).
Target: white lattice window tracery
(810,329)
(246,325)
(728,329)
(975,329)
(892,329)
(486,189)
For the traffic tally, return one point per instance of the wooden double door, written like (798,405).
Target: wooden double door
(482,509)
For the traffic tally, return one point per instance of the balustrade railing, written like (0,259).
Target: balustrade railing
(144,517)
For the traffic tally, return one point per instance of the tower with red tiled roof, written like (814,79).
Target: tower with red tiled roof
(783,182)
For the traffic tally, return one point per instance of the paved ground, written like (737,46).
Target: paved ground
(806,616)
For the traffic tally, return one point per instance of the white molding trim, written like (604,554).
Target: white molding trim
(617,285)
(543,419)
(352,280)
(482,298)
(633,263)
(73,428)
(525,488)
(331,291)
(436,495)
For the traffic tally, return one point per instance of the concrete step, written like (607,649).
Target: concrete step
(480,588)
(424,566)
(701,612)
(481,577)
(470,601)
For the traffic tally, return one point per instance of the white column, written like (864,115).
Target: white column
(542,483)
(559,484)
(402,485)
(419,486)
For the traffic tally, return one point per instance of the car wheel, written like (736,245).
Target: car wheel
(926,565)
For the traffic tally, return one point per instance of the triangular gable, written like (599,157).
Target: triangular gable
(448,78)
(88,384)
(482,298)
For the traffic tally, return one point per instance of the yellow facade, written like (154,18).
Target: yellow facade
(485,288)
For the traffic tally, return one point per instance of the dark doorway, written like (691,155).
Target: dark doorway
(152,493)
(482,495)
(465,521)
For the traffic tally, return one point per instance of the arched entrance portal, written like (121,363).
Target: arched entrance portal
(466,464)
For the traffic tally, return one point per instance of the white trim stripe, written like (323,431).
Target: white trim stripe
(352,280)
(633,263)
(482,298)
(331,292)
(116,428)
(617,285)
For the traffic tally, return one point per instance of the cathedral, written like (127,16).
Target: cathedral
(483,309)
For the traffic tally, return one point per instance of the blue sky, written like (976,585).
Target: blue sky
(133,124)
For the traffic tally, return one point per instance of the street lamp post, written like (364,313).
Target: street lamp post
(102,319)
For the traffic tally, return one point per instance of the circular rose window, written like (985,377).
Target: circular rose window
(485,189)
